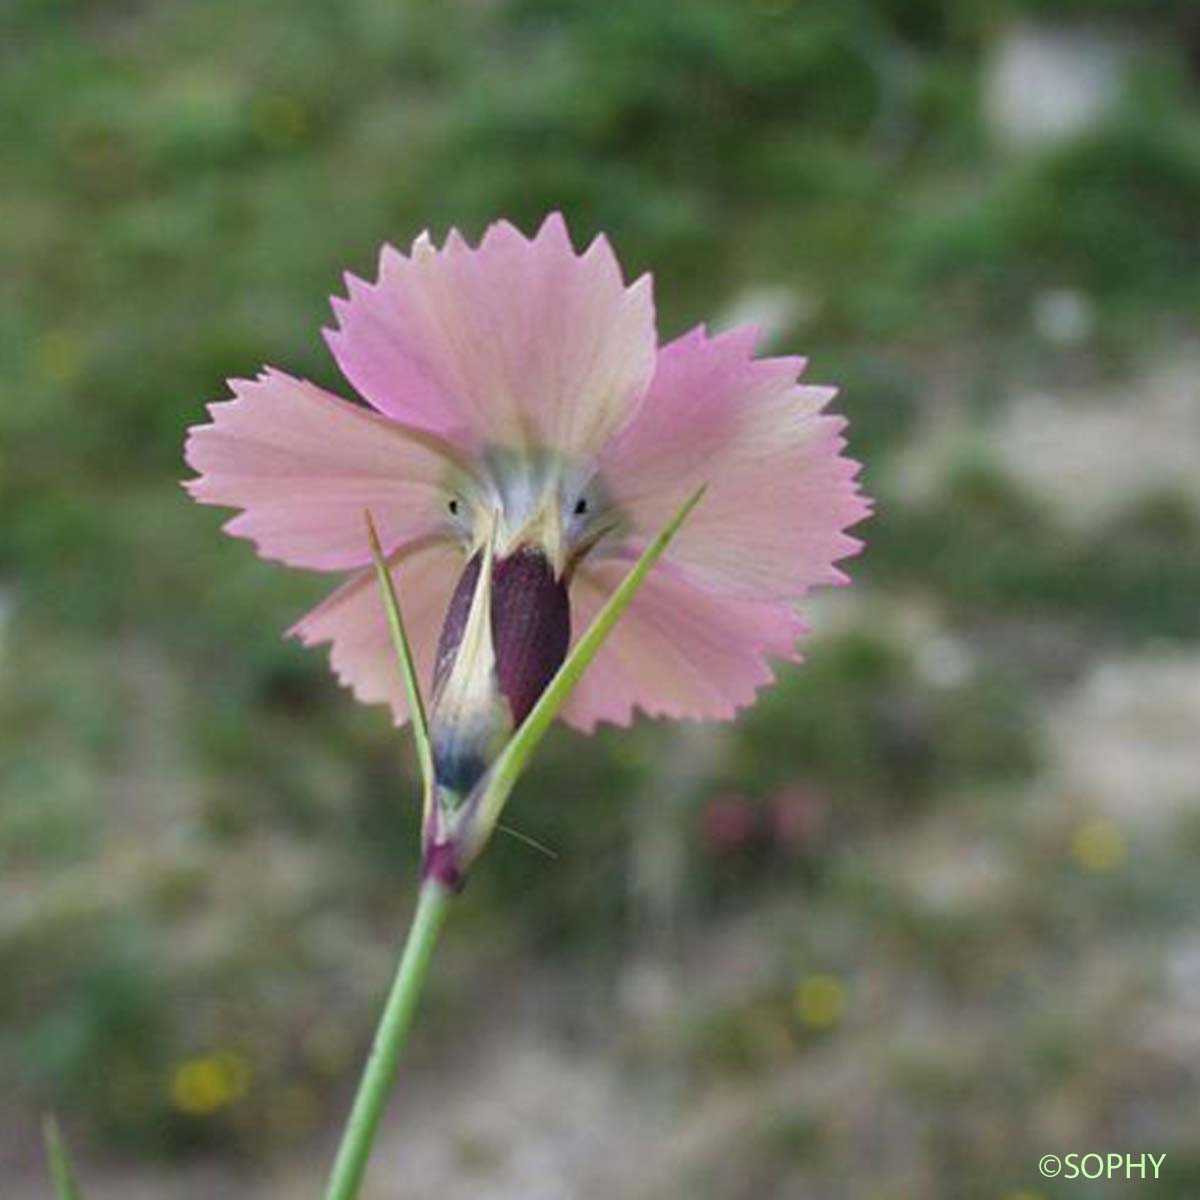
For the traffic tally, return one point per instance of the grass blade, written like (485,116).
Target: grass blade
(61,1170)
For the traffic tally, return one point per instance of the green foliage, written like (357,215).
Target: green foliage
(865,725)
(982,546)
(1109,214)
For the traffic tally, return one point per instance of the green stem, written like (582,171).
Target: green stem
(380,1073)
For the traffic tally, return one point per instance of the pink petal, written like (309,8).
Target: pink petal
(779,493)
(681,650)
(354,620)
(522,341)
(305,466)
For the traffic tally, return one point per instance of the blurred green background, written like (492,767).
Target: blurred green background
(927,913)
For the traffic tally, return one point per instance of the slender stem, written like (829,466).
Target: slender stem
(380,1073)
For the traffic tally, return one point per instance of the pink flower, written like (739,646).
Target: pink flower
(521,406)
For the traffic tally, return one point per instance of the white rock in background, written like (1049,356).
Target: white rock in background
(1046,83)
(1125,743)
(1089,452)
(944,661)
(1063,316)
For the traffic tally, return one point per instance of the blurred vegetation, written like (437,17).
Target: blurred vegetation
(207,849)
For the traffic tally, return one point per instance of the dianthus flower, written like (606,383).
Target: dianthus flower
(524,446)
(519,396)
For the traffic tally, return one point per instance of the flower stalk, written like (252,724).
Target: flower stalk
(433,903)
(453,839)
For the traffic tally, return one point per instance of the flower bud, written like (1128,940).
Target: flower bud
(506,633)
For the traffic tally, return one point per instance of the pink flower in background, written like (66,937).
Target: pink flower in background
(522,408)
(790,820)
(729,823)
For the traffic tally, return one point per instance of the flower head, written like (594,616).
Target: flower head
(525,438)
(522,413)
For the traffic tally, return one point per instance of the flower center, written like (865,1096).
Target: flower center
(542,501)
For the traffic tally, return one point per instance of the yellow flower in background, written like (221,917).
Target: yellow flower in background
(204,1085)
(820,1001)
(1098,845)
